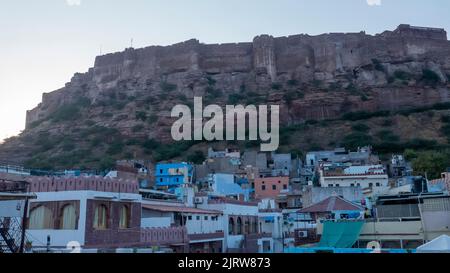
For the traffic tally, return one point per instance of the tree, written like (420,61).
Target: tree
(198,157)
(431,163)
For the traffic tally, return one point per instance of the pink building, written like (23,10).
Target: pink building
(270,187)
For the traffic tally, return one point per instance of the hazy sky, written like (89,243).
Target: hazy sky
(44,42)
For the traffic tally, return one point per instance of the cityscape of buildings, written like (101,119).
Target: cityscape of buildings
(234,202)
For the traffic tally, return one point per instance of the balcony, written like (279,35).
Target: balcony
(206,236)
(164,236)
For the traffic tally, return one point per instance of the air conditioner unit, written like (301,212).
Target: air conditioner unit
(198,200)
(303,234)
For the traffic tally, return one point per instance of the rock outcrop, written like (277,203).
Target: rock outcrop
(311,77)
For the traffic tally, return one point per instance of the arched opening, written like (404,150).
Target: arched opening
(239,226)
(247,226)
(231,226)
(100,217)
(255,226)
(124,222)
(68,218)
(41,217)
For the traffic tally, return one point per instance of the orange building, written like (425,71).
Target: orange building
(270,187)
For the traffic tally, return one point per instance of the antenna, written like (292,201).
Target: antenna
(101,49)
(131,42)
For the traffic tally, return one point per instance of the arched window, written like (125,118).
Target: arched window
(41,218)
(68,218)
(124,222)
(100,217)
(247,226)
(231,226)
(239,226)
(255,227)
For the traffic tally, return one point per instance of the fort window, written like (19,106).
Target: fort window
(124,222)
(41,217)
(101,217)
(68,218)
(274,187)
(263,187)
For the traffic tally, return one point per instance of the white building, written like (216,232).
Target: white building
(241,225)
(372,177)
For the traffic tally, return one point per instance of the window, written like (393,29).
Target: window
(178,179)
(285,187)
(338,185)
(274,187)
(198,218)
(239,226)
(206,218)
(370,184)
(378,184)
(263,187)
(330,185)
(100,217)
(231,226)
(160,180)
(190,217)
(352,185)
(160,171)
(124,222)
(41,218)
(68,218)
(359,185)
(247,227)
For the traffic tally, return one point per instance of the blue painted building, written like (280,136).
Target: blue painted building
(172,175)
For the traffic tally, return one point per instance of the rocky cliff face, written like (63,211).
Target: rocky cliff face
(311,77)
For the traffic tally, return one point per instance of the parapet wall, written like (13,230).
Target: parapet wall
(59,184)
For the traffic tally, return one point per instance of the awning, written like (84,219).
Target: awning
(343,234)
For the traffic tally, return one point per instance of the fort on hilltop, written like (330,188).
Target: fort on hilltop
(342,58)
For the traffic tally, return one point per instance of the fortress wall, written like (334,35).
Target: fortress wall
(226,58)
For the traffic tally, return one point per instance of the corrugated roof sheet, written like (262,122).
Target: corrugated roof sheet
(332,203)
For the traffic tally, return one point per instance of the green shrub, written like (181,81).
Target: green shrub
(140,115)
(66,113)
(116,147)
(430,77)
(292,83)
(167,87)
(152,119)
(387,123)
(212,93)
(362,115)
(360,127)
(198,157)
(277,86)
(138,128)
(377,65)
(356,139)
(445,119)
(402,75)
(388,136)
(234,99)
(211,81)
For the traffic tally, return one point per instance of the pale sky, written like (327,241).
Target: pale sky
(44,42)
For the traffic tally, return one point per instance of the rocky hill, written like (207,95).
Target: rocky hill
(390,90)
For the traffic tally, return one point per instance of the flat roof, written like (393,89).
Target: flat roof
(183,209)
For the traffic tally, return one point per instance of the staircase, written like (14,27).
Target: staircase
(10,235)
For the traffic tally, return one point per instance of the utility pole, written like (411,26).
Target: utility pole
(24,222)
